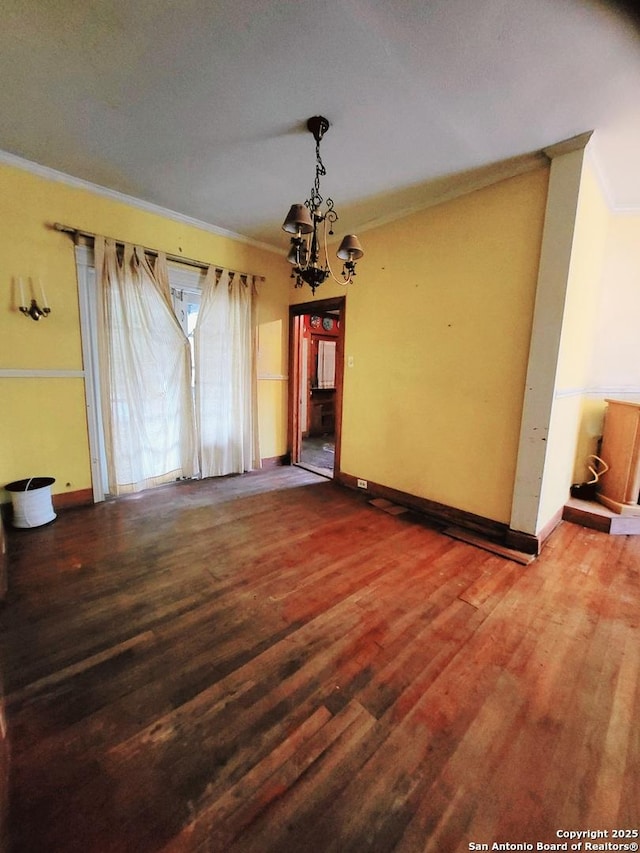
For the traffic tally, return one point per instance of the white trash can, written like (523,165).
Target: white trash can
(31,501)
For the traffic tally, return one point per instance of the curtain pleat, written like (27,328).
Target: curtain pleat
(145,367)
(225,377)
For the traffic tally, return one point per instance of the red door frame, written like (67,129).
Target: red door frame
(298,383)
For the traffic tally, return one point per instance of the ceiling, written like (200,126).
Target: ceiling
(200,107)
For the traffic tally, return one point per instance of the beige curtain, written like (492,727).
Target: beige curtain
(326,364)
(145,370)
(225,375)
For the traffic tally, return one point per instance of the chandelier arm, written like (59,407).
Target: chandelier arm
(343,281)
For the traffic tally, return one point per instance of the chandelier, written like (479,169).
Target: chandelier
(309,224)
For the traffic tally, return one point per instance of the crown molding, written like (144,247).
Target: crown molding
(566,146)
(50,174)
(596,165)
(450,187)
(595,160)
(588,141)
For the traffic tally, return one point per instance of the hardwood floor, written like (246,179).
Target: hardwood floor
(268,663)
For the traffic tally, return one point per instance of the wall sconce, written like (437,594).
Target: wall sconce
(34,310)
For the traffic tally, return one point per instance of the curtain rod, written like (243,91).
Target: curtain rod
(78,232)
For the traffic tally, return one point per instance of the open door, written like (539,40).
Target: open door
(316,375)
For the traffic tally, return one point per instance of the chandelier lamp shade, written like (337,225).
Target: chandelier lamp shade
(311,222)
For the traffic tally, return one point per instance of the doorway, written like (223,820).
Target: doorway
(316,370)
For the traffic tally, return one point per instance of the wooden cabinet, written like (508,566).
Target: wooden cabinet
(322,411)
(620,486)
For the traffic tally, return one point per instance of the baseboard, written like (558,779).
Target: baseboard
(62,501)
(271,462)
(530,543)
(448,516)
(67,500)
(597,516)
(439,512)
(518,556)
(550,526)
(526,542)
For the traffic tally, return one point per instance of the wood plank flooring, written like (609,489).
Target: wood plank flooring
(268,663)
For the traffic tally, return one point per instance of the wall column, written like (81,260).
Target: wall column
(553,278)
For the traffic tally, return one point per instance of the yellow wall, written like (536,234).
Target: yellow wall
(43,432)
(437,325)
(583,290)
(42,421)
(614,367)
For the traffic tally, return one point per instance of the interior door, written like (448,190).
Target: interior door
(300,375)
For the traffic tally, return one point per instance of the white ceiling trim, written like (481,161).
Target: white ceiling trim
(596,163)
(598,171)
(79,183)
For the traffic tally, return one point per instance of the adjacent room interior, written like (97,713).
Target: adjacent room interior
(318,387)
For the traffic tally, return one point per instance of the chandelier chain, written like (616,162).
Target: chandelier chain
(315,199)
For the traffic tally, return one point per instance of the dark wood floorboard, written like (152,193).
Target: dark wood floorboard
(268,663)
